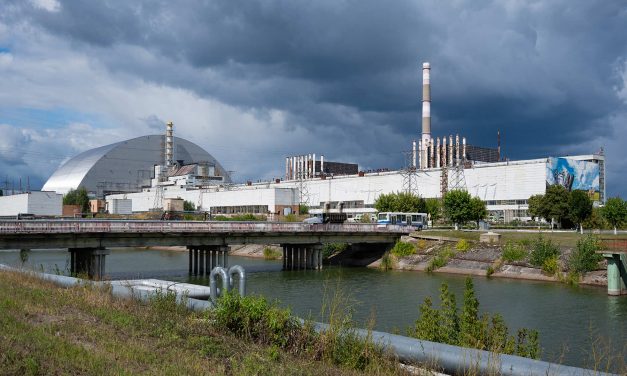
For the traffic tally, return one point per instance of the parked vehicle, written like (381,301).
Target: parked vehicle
(417,220)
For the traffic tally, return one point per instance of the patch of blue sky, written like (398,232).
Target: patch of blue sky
(4,50)
(49,118)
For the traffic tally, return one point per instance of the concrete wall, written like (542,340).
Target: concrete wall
(491,182)
(37,203)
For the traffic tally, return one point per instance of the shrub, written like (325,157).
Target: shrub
(402,249)
(329,249)
(271,254)
(467,329)
(583,258)
(489,271)
(422,244)
(387,261)
(542,250)
(514,251)
(255,319)
(463,245)
(440,259)
(291,218)
(551,265)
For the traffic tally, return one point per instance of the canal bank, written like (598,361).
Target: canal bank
(571,320)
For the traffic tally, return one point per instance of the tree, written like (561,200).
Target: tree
(535,204)
(400,202)
(458,207)
(78,197)
(188,206)
(555,203)
(615,212)
(478,209)
(434,208)
(580,207)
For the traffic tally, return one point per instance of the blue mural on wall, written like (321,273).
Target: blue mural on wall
(573,175)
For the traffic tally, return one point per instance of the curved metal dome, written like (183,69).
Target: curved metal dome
(125,166)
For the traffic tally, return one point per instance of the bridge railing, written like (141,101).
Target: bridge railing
(101,226)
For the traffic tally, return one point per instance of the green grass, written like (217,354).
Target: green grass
(441,258)
(566,239)
(84,330)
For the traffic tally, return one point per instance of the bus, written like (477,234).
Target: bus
(417,220)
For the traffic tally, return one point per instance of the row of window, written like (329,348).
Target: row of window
(243,209)
(506,202)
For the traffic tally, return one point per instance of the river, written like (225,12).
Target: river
(569,319)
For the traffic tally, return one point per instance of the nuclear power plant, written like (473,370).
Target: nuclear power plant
(146,173)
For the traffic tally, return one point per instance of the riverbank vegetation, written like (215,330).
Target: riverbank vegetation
(466,328)
(84,330)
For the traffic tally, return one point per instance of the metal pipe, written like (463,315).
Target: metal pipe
(444,152)
(241,273)
(464,148)
(450,150)
(213,283)
(313,166)
(455,360)
(413,154)
(322,164)
(420,159)
(437,153)
(457,149)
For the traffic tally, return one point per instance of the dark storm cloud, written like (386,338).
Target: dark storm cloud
(545,73)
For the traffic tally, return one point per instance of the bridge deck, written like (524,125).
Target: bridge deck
(115,233)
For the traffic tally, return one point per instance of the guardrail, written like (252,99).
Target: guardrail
(100,226)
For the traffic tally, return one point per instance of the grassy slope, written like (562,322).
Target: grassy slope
(49,330)
(566,239)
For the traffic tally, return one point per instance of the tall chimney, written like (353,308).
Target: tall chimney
(426,102)
(169,155)
(444,152)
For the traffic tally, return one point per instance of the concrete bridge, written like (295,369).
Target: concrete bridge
(208,242)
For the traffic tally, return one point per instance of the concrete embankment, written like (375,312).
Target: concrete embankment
(483,260)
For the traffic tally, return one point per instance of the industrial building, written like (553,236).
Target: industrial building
(127,166)
(37,203)
(146,172)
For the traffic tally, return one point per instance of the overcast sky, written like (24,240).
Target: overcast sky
(255,81)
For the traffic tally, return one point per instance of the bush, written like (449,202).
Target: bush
(422,244)
(542,250)
(329,249)
(271,254)
(188,206)
(551,265)
(387,261)
(583,258)
(440,259)
(463,245)
(514,251)
(241,218)
(255,319)
(467,329)
(402,249)
(291,218)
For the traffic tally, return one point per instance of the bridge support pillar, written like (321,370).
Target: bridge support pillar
(203,258)
(90,261)
(616,273)
(302,256)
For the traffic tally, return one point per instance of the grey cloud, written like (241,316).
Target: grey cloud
(544,72)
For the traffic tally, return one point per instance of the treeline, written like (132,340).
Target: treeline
(457,207)
(565,208)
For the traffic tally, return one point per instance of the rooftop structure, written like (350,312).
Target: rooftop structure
(125,166)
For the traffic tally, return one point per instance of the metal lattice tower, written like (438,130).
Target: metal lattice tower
(158,204)
(409,174)
(457,179)
(303,190)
